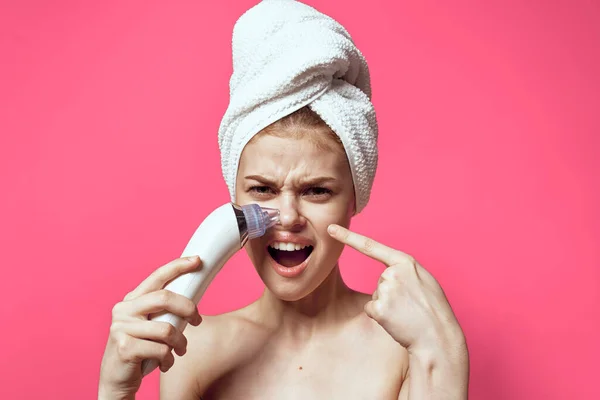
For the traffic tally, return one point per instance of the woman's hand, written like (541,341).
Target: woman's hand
(408,303)
(133,338)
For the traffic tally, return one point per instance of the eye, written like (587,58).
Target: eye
(261,191)
(317,192)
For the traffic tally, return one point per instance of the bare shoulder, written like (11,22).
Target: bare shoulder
(225,347)
(215,347)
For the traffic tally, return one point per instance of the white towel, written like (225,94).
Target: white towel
(287,55)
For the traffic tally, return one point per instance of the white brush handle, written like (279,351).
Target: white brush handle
(215,241)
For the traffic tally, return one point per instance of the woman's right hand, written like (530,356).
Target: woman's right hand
(133,338)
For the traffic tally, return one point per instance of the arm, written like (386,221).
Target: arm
(193,372)
(180,381)
(437,374)
(208,349)
(411,306)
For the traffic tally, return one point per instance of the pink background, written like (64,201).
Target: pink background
(489,175)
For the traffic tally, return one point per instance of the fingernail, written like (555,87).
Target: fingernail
(332,229)
(192,258)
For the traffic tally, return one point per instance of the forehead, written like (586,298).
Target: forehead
(274,155)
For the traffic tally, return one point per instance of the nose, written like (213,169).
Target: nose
(290,218)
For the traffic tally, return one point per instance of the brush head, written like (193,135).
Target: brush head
(259,219)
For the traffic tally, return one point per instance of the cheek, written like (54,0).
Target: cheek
(256,251)
(321,218)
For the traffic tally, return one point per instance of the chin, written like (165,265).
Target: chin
(286,288)
(287,293)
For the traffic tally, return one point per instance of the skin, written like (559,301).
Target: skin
(309,336)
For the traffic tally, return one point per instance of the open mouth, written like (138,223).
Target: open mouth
(289,254)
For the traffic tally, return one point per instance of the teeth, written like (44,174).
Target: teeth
(287,246)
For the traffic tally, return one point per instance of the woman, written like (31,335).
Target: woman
(299,135)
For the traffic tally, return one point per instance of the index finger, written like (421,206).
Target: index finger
(366,245)
(157,279)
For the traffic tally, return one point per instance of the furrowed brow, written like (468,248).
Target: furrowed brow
(310,181)
(262,179)
(319,180)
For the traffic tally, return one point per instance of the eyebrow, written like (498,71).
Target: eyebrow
(309,181)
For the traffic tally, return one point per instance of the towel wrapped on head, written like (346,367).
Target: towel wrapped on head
(287,55)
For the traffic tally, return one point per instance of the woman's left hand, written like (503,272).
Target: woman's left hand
(408,303)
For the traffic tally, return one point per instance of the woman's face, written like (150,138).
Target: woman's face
(312,188)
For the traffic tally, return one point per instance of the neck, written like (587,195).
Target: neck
(325,307)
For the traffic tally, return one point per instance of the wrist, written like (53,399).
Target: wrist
(441,370)
(105,393)
(449,348)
